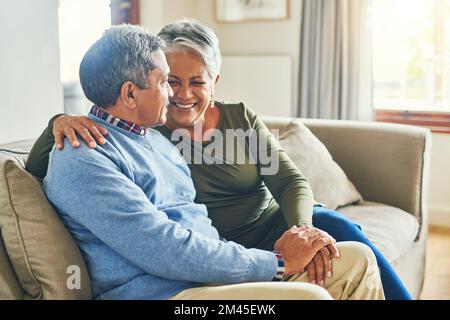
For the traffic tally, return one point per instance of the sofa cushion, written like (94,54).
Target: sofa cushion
(391,230)
(328,181)
(41,250)
(9,286)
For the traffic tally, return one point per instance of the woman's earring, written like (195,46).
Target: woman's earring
(212,102)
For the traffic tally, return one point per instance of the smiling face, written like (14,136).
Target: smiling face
(192,89)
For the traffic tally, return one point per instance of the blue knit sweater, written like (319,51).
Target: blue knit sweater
(129,204)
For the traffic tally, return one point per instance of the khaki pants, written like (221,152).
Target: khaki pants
(355,277)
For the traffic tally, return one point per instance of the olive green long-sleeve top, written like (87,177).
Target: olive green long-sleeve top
(246,201)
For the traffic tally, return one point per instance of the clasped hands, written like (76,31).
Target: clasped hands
(308,248)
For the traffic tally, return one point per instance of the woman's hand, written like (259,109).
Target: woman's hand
(69,125)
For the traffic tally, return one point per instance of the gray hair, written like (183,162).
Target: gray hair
(123,53)
(191,35)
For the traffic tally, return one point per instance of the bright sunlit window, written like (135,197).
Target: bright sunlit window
(81,23)
(411,54)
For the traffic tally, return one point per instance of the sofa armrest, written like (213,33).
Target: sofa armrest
(388,163)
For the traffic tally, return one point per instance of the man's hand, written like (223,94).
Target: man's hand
(68,125)
(320,266)
(298,247)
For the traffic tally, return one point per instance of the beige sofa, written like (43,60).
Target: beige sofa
(387,163)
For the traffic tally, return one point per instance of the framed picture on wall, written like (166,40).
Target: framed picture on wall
(228,11)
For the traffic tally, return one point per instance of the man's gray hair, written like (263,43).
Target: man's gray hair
(191,35)
(123,53)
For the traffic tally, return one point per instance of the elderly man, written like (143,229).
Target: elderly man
(129,203)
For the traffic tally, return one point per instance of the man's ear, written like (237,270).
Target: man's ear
(128,92)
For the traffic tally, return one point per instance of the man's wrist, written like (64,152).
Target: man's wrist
(280,268)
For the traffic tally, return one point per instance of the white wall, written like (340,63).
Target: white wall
(151,14)
(270,95)
(156,13)
(30,87)
(249,38)
(258,38)
(439,196)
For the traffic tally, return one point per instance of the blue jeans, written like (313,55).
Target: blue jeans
(342,229)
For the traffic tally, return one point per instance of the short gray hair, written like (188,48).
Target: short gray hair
(190,34)
(123,53)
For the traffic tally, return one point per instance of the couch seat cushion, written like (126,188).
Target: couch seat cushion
(391,230)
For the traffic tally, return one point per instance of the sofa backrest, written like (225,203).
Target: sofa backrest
(17,151)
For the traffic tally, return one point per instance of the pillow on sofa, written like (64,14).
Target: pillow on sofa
(328,181)
(40,248)
(9,286)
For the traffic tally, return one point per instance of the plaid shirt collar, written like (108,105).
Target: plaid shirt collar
(123,124)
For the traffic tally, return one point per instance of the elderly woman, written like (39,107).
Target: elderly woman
(244,204)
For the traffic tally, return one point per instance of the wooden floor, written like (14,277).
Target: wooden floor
(437,276)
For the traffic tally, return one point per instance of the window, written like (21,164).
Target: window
(81,23)
(411,60)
